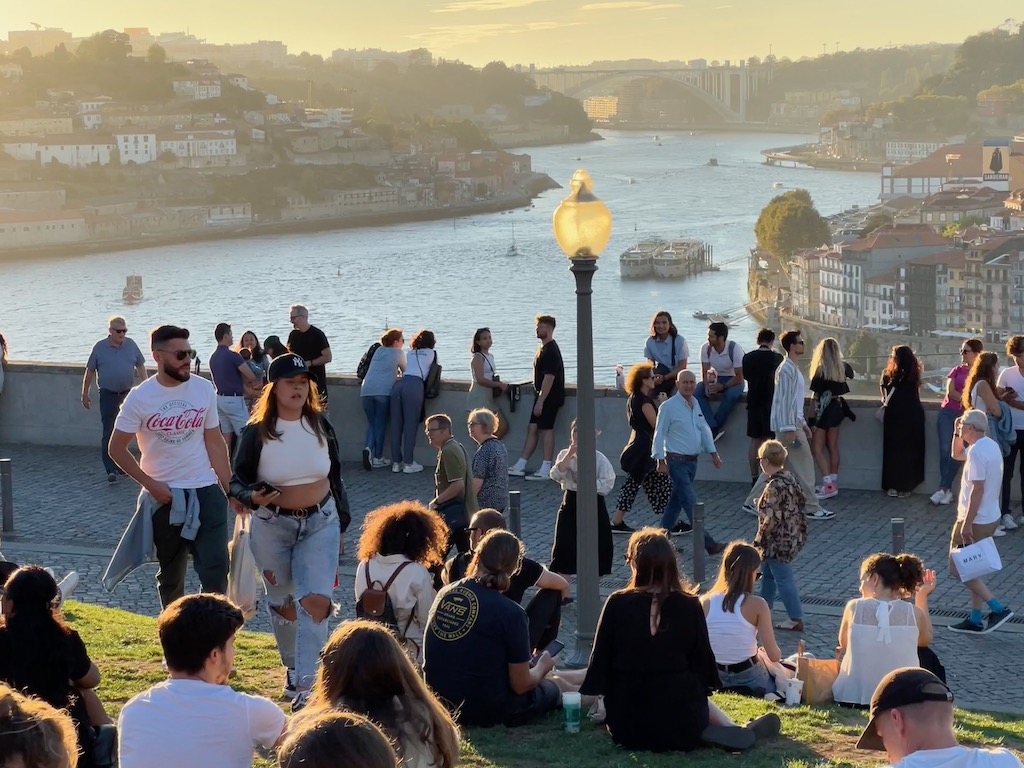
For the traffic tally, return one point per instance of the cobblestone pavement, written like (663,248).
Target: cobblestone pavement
(68,517)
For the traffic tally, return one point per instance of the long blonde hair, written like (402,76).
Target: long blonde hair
(827,361)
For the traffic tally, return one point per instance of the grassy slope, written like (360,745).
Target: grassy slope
(125,648)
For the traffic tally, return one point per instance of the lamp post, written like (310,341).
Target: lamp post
(583,226)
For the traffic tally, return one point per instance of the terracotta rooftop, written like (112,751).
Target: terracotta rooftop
(935,165)
(955,257)
(888,238)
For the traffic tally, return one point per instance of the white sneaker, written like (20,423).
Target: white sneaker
(1000,531)
(396,467)
(947,498)
(378,463)
(1009,523)
(539,476)
(515,471)
(68,585)
(936,498)
(412,469)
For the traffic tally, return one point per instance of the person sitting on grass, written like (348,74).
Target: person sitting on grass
(544,610)
(365,671)
(194,718)
(42,656)
(652,661)
(327,739)
(477,646)
(35,735)
(736,618)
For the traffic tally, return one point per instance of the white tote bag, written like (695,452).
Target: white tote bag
(977,560)
(242,578)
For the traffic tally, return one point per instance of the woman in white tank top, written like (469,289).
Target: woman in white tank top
(736,618)
(881,632)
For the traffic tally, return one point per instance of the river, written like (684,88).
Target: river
(449,276)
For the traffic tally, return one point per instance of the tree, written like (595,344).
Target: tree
(156,55)
(790,222)
(107,46)
(876,220)
(864,352)
(955,227)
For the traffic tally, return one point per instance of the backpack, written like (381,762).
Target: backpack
(375,602)
(364,362)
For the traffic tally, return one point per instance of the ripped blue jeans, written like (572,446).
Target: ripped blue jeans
(297,557)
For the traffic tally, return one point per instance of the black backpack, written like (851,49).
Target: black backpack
(375,602)
(364,362)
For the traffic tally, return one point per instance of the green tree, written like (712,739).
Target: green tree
(876,220)
(790,222)
(107,46)
(954,227)
(864,352)
(156,55)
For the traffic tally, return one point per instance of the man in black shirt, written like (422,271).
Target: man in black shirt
(549,383)
(545,609)
(759,371)
(310,343)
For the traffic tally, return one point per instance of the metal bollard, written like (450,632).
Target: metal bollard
(515,520)
(899,541)
(6,496)
(699,556)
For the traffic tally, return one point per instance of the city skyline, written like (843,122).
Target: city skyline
(544,32)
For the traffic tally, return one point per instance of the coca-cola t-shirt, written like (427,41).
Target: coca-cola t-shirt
(169,423)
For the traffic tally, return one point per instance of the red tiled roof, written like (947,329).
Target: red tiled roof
(935,165)
(951,258)
(896,237)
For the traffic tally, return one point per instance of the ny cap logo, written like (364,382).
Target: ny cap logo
(298,362)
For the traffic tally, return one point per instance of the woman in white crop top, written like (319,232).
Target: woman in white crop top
(283,472)
(736,618)
(407,397)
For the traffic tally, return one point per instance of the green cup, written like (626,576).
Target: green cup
(572,704)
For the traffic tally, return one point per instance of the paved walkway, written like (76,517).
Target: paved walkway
(66,516)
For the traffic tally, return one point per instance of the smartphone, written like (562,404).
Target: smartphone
(265,487)
(554,648)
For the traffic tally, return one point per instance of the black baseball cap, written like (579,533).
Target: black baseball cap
(287,367)
(901,688)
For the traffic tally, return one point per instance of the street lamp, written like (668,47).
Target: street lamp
(583,226)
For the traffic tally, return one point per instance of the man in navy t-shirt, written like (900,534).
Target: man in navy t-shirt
(230,374)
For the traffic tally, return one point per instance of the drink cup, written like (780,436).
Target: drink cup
(794,687)
(572,703)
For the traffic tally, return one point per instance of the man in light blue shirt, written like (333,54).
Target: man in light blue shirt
(681,434)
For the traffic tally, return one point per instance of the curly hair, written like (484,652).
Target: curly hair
(405,528)
(897,572)
(636,376)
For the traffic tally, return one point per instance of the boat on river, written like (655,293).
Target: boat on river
(132,293)
(665,259)
(635,262)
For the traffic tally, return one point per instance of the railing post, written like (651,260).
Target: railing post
(698,542)
(6,496)
(898,537)
(515,520)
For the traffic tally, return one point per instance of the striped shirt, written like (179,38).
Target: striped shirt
(788,400)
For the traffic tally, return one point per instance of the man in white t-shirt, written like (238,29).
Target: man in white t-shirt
(184,470)
(977,512)
(194,718)
(1011,379)
(912,722)
(726,357)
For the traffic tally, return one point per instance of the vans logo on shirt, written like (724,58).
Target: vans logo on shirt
(176,422)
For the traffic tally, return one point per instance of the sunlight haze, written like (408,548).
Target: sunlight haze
(545,32)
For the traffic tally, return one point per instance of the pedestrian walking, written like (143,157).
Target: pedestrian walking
(490,462)
(759,369)
(231,376)
(310,343)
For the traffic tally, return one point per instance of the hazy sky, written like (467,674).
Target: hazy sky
(541,31)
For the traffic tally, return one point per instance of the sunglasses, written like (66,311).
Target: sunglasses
(181,354)
(119,330)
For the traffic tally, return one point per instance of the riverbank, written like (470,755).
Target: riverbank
(804,155)
(520,141)
(533,186)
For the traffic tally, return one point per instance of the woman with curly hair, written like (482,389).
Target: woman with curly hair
(365,671)
(636,461)
(400,544)
(903,425)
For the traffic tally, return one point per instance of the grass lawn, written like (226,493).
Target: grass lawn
(125,648)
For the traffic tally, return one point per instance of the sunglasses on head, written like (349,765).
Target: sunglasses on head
(181,354)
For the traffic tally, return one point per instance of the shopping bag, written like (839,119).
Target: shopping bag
(242,579)
(818,676)
(977,560)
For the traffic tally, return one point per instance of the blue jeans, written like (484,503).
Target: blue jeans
(778,577)
(948,466)
(682,474)
(376,408)
(727,399)
(757,679)
(297,557)
(1015,449)
(110,404)
(406,406)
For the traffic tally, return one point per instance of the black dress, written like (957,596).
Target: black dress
(636,458)
(656,687)
(902,437)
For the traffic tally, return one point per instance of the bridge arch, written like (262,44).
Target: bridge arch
(720,107)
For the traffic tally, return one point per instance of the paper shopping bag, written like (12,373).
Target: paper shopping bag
(977,560)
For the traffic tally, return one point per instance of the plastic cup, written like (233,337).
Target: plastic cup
(572,703)
(794,688)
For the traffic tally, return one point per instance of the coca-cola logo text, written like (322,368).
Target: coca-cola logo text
(176,422)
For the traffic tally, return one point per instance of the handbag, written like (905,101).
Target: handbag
(496,391)
(880,413)
(501,428)
(242,586)
(432,382)
(818,676)
(977,560)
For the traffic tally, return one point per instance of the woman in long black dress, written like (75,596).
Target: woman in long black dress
(564,472)
(636,461)
(653,663)
(903,426)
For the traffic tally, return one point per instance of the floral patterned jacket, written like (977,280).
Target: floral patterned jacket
(781,525)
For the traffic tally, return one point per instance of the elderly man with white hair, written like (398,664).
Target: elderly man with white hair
(978,512)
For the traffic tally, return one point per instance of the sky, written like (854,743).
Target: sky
(545,32)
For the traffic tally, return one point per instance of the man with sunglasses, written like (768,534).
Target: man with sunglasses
(184,470)
(114,363)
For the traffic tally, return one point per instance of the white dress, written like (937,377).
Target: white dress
(883,637)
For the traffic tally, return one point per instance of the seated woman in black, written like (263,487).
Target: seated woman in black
(43,657)
(653,662)
(477,645)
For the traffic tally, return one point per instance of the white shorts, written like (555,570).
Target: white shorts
(233,414)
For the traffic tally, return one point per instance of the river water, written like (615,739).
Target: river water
(449,276)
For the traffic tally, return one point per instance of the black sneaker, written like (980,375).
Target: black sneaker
(682,529)
(366,460)
(289,685)
(996,619)
(622,528)
(967,627)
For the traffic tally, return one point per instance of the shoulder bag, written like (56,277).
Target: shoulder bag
(880,413)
